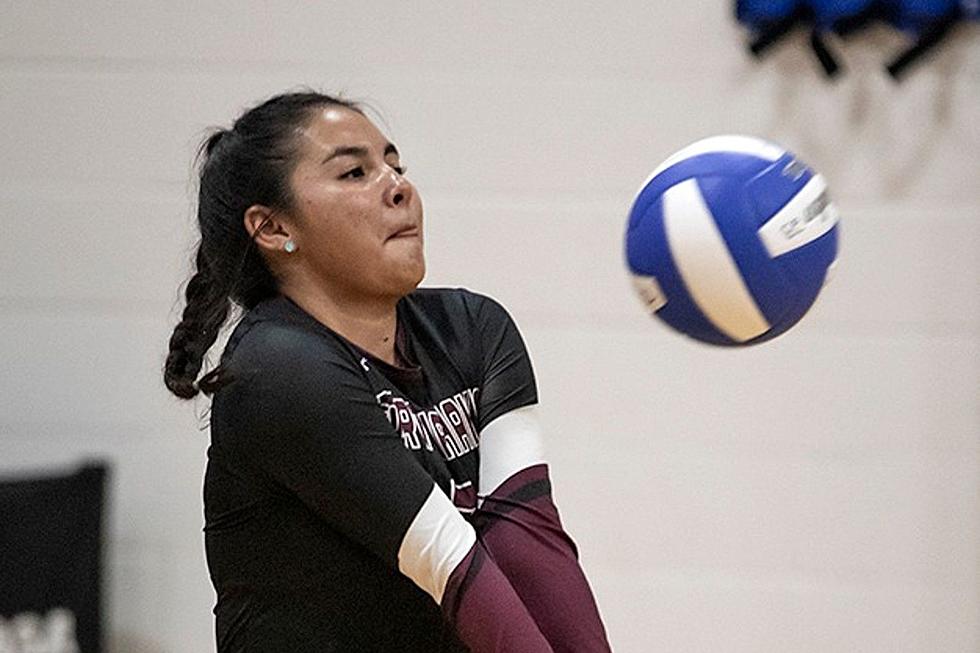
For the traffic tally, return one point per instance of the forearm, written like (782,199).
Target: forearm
(442,554)
(486,611)
(520,527)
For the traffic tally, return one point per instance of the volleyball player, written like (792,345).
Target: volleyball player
(375,478)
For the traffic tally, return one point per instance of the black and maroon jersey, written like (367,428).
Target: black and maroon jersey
(354,505)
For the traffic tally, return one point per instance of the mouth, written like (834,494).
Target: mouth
(405,232)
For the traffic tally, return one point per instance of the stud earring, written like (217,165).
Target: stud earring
(290,246)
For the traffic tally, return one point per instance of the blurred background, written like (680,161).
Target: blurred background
(820,492)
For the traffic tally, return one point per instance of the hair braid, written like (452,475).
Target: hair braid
(203,316)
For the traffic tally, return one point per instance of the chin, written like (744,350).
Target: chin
(408,279)
(416,277)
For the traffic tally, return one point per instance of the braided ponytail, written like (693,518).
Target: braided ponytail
(246,165)
(203,316)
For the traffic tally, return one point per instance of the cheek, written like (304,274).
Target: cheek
(345,217)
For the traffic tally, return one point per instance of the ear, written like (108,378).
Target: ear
(265,227)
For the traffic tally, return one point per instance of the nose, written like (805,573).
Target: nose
(399,190)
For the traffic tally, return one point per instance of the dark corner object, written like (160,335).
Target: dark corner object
(51,536)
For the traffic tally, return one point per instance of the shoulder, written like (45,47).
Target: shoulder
(457,304)
(283,376)
(282,351)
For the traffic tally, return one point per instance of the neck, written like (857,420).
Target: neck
(368,322)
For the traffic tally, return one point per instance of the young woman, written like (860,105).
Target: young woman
(375,479)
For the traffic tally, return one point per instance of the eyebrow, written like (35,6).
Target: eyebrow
(354,150)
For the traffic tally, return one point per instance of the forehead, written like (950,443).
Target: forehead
(335,126)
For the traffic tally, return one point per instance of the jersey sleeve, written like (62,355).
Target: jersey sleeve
(506,376)
(307,420)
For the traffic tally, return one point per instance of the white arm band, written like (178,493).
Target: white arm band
(436,542)
(508,444)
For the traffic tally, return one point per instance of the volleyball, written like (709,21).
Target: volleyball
(731,239)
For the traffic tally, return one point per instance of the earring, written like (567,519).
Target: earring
(290,246)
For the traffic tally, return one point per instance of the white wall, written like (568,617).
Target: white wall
(817,493)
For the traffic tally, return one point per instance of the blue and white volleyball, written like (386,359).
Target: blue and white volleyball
(731,239)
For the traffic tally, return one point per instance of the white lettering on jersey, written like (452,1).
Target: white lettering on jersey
(449,426)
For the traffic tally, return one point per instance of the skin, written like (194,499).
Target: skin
(357,226)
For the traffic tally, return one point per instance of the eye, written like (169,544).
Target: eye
(356,172)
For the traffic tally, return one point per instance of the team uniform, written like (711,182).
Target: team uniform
(353,505)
